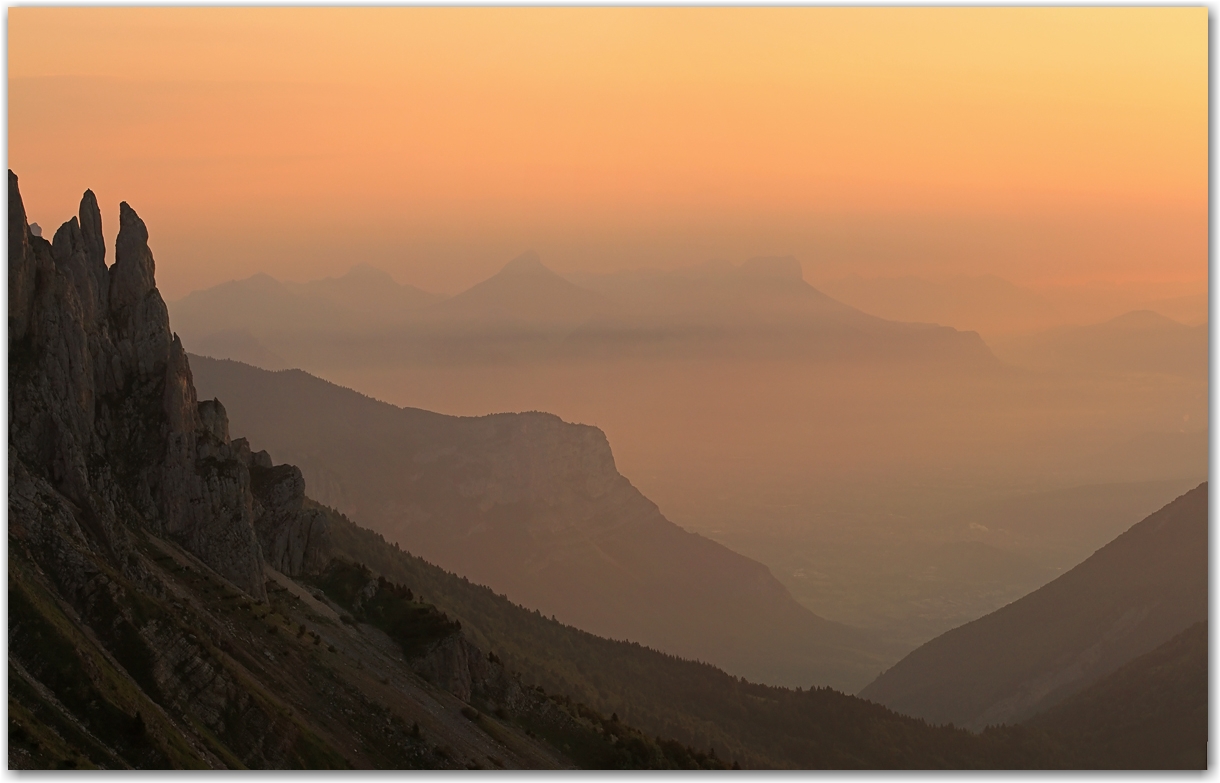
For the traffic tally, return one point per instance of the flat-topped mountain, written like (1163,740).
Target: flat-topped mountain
(535,508)
(1131,596)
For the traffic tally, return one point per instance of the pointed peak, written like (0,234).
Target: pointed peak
(66,241)
(132,231)
(91,229)
(132,275)
(528,263)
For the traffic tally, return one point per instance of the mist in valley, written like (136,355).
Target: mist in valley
(899,477)
(608,387)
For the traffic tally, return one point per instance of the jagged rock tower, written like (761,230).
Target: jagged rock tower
(102,408)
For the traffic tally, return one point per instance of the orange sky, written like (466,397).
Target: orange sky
(1039,144)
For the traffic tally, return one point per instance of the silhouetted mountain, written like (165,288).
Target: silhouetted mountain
(1190,309)
(524,295)
(759,309)
(819,728)
(1137,342)
(176,601)
(1128,598)
(698,704)
(534,507)
(1099,301)
(1150,714)
(984,303)
(157,609)
(367,289)
(269,309)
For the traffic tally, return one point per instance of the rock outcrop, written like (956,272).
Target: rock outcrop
(534,507)
(102,403)
(145,626)
(294,539)
(136,634)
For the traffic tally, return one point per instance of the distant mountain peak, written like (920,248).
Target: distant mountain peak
(1142,319)
(528,263)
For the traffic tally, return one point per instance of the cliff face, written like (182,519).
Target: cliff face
(129,510)
(535,508)
(295,539)
(102,404)
(155,613)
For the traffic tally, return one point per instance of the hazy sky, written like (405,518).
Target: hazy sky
(1039,144)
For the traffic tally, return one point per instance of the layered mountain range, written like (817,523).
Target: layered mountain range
(1139,342)
(996,307)
(534,507)
(176,600)
(526,311)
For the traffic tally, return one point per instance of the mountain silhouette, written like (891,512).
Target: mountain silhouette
(1141,341)
(176,601)
(267,309)
(1150,714)
(985,303)
(761,308)
(535,508)
(524,294)
(1129,597)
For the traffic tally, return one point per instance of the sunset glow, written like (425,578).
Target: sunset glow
(1040,144)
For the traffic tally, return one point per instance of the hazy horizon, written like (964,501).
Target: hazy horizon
(608,387)
(1046,146)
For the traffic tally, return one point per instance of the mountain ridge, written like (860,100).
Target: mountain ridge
(156,618)
(129,647)
(762,306)
(535,507)
(1131,595)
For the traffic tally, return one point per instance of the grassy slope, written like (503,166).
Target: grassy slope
(693,702)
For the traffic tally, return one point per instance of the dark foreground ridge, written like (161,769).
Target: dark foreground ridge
(1128,598)
(176,601)
(158,616)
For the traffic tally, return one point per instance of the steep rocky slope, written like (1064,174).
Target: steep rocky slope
(1132,595)
(175,599)
(157,616)
(534,507)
